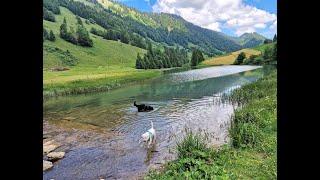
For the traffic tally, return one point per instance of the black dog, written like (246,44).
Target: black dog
(142,107)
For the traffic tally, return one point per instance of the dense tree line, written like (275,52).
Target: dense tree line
(156,59)
(124,37)
(267,41)
(208,41)
(52,5)
(269,56)
(48,15)
(80,37)
(196,58)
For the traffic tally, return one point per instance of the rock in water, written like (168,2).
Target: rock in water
(47,165)
(49,146)
(55,155)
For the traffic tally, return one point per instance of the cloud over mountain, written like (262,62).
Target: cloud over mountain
(233,15)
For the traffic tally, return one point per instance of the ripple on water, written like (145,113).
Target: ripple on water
(178,105)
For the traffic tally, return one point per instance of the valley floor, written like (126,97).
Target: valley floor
(252,153)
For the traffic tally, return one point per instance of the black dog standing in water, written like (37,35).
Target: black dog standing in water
(142,107)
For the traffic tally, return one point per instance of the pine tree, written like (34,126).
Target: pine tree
(194,58)
(51,37)
(200,56)
(240,58)
(275,38)
(124,37)
(138,62)
(64,29)
(83,37)
(150,48)
(197,57)
(45,34)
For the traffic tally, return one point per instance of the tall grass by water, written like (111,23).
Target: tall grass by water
(252,151)
(100,81)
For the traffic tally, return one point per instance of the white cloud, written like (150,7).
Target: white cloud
(216,14)
(214,26)
(274,25)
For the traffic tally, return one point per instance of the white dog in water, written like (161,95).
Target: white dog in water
(149,136)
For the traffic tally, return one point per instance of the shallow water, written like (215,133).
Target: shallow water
(189,99)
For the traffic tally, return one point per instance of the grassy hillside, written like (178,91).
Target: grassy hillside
(103,53)
(230,58)
(161,28)
(106,64)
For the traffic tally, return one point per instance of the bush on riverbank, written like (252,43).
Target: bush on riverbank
(252,153)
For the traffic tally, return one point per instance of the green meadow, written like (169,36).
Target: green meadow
(106,65)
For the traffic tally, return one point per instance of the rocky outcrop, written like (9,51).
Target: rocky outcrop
(47,165)
(53,156)
(50,156)
(49,146)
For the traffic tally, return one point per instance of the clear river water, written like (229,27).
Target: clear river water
(100,131)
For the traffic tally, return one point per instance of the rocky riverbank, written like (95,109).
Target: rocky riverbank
(48,156)
(63,136)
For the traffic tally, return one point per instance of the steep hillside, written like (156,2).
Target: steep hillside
(104,52)
(161,28)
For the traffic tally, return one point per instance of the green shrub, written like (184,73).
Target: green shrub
(192,145)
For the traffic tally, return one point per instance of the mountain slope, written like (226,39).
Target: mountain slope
(104,52)
(162,28)
(174,22)
(248,40)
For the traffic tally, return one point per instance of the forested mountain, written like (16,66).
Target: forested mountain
(248,40)
(166,29)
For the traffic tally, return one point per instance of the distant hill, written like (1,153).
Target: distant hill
(248,40)
(251,39)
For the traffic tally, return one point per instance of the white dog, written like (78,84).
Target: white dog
(149,136)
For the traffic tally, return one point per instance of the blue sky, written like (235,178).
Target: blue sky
(233,17)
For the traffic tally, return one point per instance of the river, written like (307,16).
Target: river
(99,132)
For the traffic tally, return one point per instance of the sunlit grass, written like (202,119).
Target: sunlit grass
(230,58)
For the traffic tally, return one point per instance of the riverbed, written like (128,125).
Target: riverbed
(99,132)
